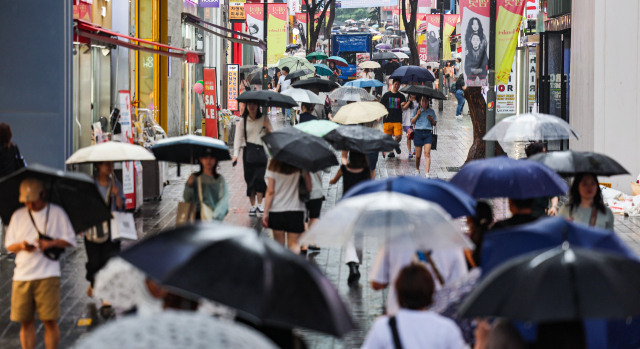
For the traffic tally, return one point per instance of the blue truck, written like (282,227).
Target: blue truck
(348,46)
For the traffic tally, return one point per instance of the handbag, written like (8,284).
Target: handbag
(253,153)
(186,213)
(52,253)
(206,212)
(303,193)
(453,89)
(100,236)
(123,226)
(410,133)
(447,75)
(434,144)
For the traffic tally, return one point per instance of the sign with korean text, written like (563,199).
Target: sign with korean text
(508,21)
(210,102)
(232,86)
(209,3)
(506,96)
(475,41)
(236,11)
(128,172)
(276,32)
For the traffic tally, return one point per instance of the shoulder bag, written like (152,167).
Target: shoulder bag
(397,344)
(253,153)
(93,234)
(122,225)
(434,144)
(52,253)
(303,193)
(206,212)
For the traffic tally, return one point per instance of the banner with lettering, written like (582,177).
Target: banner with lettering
(450,22)
(508,21)
(276,28)
(233,77)
(255,23)
(210,102)
(475,41)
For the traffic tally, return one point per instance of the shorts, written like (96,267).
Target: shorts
(393,128)
(314,207)
(42,295)
(288,221)
(373,160)
(422,137)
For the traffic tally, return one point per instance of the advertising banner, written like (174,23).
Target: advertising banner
(128,172)
(432,40)
(236,11)
(367,3)
(210,102)
(450,22)
(506,96)
(532,9)
(294,6)
(232,86)
(255,22)
(508,21)
(301,23)
(475,41)
(362,57)
(209,3)
(276,27)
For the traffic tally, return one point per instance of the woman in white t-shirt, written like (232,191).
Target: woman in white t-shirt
(283,209)
(407,114)
(414,326)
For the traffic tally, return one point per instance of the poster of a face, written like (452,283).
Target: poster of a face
(475,52)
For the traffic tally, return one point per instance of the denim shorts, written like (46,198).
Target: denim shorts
(422,137)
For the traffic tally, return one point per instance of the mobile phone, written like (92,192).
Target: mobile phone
(234,163)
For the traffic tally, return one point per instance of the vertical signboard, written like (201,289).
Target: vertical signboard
(508,21)
(450,22)
(276,32)
(432,41)
(210,102)
(532,79)
(506,95)
(255,23)
(475,41)
(128,172)
(301,23)
(232,86)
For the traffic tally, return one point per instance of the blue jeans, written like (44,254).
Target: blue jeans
(460,98)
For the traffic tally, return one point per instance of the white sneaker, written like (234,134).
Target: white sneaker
(426,175)
(416,173)
(253,210)
(261,209)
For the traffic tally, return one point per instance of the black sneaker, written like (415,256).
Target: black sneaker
(391,155)
(398,150)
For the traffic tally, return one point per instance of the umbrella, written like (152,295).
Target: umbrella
(247,68)
(339,61)
(235,267)
(299,74)
(562,284)
(569,163)
(361,139)
(503,177)
(173,329)
(423,91)
(531,127)
(293,46)
(401,55)
(388,32)
(187,149)
(255,77)
(295,63)
(350,93)
(300,149)
(270,98)
(388,215)
(412,73)
(382,56)
(360,112)
(377,37)
(383,47)
(110,151)
(316,83)
(369,65)
(323,70)
(364,82)
(76,193)
(318,128)
(303,96)
(317,55)
(375,26)
(453,200)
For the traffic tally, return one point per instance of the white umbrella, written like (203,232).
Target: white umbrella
(360,112)
(351,93)
(387,215)
(369,65)
(110,151)
(400,55)
(303,96)
(531,127)
(300,54)
(173,330)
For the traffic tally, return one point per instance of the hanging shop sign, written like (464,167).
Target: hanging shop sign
(532,78)
(236,11)
(506,96)
(475,41)
(210,102)
(276,29)
(209,3)
(128,171)
(255,23)
(232,86)
(508,22)
(450,22)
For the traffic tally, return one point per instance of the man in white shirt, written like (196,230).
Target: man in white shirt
(283,84)
(36,278)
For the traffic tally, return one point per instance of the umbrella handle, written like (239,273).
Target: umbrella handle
(435,269)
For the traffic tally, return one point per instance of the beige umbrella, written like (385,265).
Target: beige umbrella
(359,112)
(110,151)
(369,64)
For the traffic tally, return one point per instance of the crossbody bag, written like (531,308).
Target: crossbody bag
(253,153)
(393,324)
(52,253)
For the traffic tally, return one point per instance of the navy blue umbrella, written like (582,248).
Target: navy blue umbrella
(453,200)
(501,177)
(412,73)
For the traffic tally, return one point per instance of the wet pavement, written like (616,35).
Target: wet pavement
(455,138)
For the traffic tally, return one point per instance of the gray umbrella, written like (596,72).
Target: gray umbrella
(351,93)
(531,127)
(569,163)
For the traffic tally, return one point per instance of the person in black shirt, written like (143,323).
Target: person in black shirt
(306,115)
(378,73)
(521,210)
(391,67)
(395,102)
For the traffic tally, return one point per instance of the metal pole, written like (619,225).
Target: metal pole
(264,53)
(491,94)
(441,75)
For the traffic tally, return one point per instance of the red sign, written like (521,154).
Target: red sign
(210,102)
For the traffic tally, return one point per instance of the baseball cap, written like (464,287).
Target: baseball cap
(30,190)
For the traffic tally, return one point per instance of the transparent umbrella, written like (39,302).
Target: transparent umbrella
(531,127)
(350,93)
(303,96)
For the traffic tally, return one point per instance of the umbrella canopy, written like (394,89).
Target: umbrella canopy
(300,54)
(255,77)
(401,55)
(360,112)
(423,91)
(110,151)
(295,63)
(270,98)
(293,46)
(369,65)
(317,55)
(504,244)
(501,177)
(235,267)
(569,163)
(123,286)
(383,56)
(300,149)
(383,47)
(361,139)
(339,61)
(76,193)
(303,96)
(187,149)
(388,32)
(562,284)
(375,26)
(316,83)
(364,83)
(412,73)
(388,215)
(531,127)
(350,93)
(323,70)
(248,68)
(318,128)
(453,200)
(173,329)
(299,74)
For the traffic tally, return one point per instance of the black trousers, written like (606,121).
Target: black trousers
(98,255)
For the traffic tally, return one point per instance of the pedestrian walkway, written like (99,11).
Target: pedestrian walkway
(455,138)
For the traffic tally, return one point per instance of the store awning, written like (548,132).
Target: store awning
(98,33)
(200,24)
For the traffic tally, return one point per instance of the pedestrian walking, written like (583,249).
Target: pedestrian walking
(424,119)
(208,190)
(314,205)
(413,326)
(520,214)
(478,226)
(460,87)
(407,114)
(586,204)
(10,158)
(366,74)
(448,78)
(249,132)
(283,85)
(307,109)
(395,102)
(378,74)
(284,210)
(244,86)
(391,67)
(337,72)
(33,230)
(545,206)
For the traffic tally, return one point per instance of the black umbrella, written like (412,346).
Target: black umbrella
(293,46)
(247,68)
(187,149)
(383,56)
(423,91)
(255,76)
(561,284)
(300,149)
(76,193)
(298,74)
(360,138)
(316,83)
(253,274)
(272,99)
(569,163)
